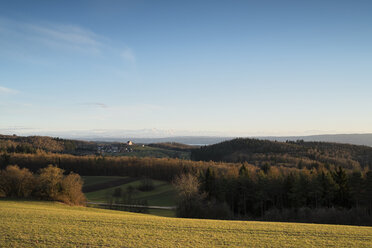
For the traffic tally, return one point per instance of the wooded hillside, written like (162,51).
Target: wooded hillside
(31,144)
(289,154)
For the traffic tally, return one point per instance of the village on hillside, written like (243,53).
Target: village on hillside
(115,148)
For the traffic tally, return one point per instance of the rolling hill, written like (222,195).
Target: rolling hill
(41,224)
(364,139)
(289,154)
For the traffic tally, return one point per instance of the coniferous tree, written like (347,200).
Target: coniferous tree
(356,188)
(327,189)
(342,192)
(368,192)
(210,182)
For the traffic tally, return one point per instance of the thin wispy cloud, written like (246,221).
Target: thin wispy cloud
(122,108)
(4,90)
(128,55)
(59,36)
(70,34)
(52,35)
(137,108)
(95,104)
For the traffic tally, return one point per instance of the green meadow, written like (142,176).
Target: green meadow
(42,224)
(93,180)
(163,193)
(156,152)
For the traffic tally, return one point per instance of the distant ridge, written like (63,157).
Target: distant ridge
(298,154)
(189,140)
(354,139)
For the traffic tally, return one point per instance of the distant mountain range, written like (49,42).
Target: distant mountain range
(146,136)
(189,140)
(355,139)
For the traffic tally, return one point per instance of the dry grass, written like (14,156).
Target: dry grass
(43,224)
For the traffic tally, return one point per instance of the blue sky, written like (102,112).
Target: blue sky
(236,68)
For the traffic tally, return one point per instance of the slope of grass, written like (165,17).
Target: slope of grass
(156,152)
(40,224)
(93,180)
(162,195)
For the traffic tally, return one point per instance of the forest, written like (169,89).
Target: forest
(244,179)
(289,154)
(33,144)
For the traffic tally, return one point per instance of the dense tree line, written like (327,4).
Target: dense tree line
(48,184)
(290,154)
(278,194)
(192,202)
(156,168)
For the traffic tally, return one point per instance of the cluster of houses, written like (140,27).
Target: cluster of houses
(115,148)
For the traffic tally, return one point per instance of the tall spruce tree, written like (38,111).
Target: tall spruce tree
(343,191)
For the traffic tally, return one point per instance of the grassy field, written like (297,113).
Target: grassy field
(163,194)
(40,224)
(92,180)
(156,152)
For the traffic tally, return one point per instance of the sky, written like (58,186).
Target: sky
(163,68)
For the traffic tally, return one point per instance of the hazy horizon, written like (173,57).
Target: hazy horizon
(207,68)
(103,134)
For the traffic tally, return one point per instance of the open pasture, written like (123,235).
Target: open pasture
(41,224)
